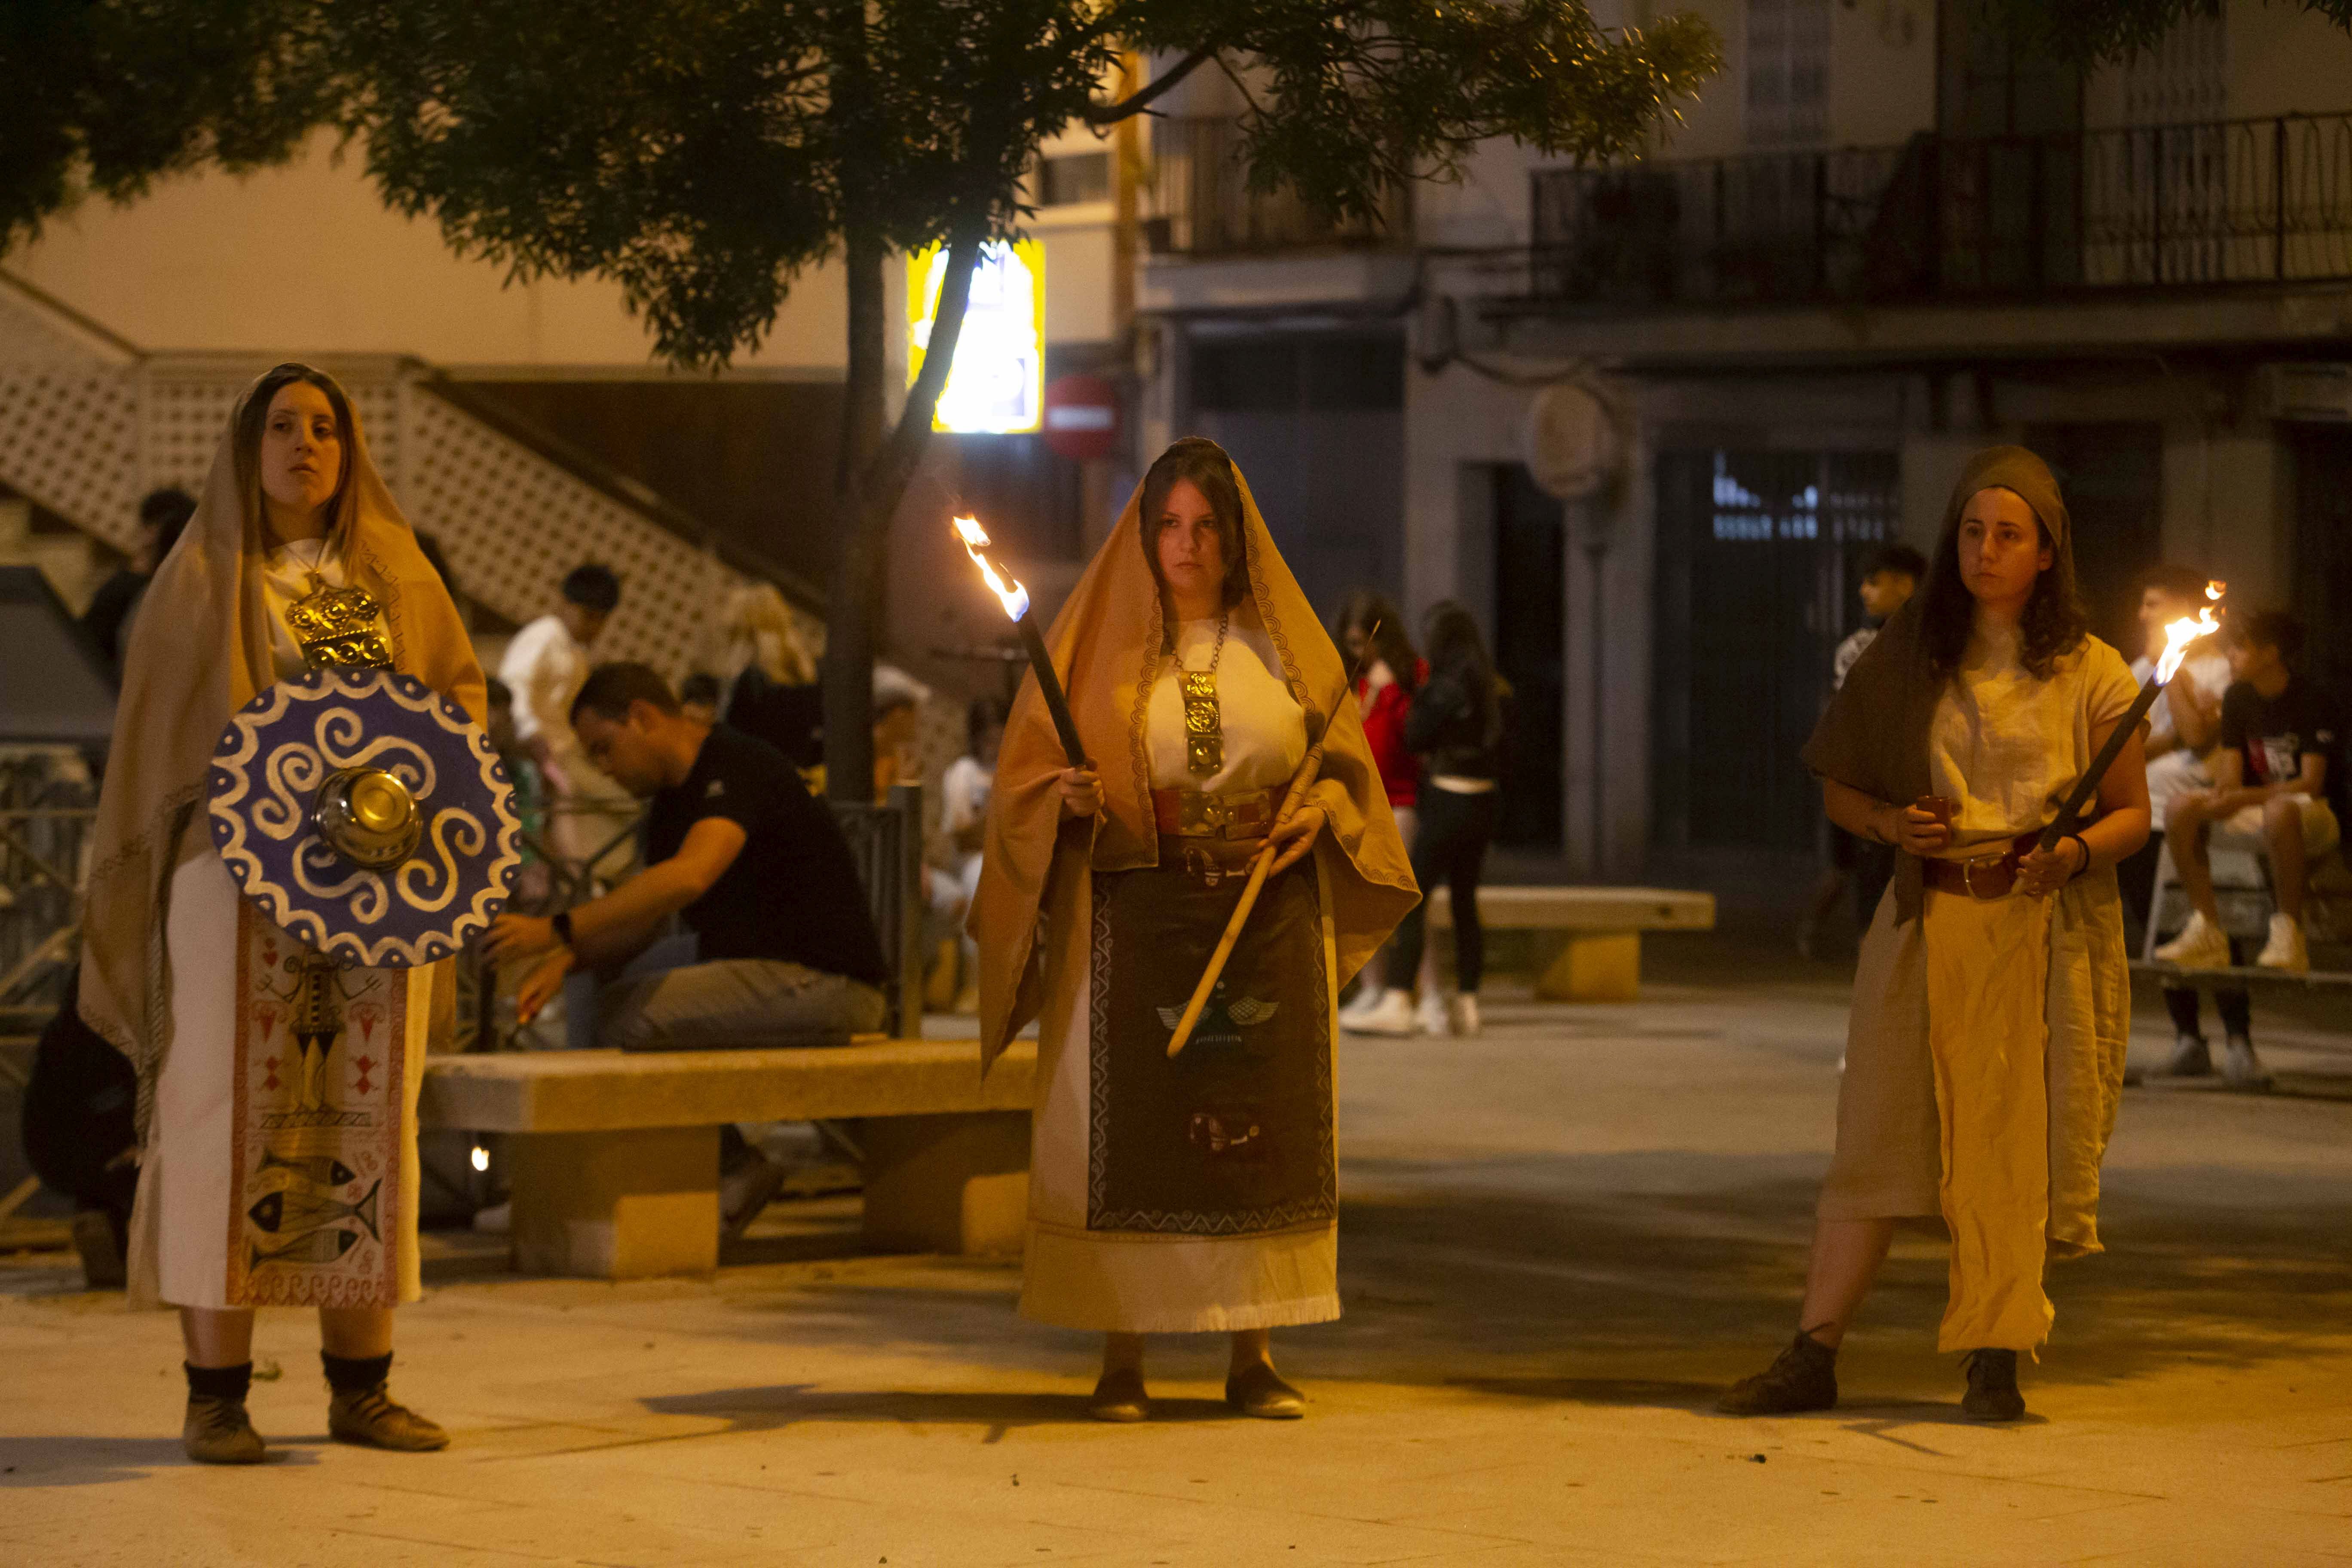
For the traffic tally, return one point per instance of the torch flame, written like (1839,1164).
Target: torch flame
(2179,633)
(1015,599)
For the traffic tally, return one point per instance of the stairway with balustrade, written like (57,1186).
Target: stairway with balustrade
(89,422)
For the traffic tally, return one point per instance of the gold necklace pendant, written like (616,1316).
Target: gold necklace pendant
(1205,738)
(338,628)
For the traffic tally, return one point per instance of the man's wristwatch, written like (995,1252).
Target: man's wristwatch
(563,924)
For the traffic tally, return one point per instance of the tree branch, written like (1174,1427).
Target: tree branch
(1136,101)
(888,475)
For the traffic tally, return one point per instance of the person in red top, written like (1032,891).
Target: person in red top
(1370,627)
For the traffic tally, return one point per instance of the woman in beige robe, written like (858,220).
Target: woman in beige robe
(205,995)
(1197,1194)
(1985,1054)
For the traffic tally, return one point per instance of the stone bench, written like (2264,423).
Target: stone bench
(1590,949)
(614,1156)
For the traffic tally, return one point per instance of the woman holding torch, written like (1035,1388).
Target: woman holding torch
(1985,1054)
(1193,1192)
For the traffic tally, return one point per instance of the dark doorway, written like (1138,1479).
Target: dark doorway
(1531,653)
(1759,558)
(1991,82)
(2111,476)
(1316,423)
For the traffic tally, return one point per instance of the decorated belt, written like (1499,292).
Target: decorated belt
(1227,814)
(1212,860)
(1987,877)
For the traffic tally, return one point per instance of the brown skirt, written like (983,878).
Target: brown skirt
(1233,1136)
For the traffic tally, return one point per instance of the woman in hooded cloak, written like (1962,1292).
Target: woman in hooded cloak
(1197,1193)
(277,1112)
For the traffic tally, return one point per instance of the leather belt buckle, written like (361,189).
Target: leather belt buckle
(1999,876)
(1201,815)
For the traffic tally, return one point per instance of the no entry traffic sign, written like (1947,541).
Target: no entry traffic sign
(1081,417)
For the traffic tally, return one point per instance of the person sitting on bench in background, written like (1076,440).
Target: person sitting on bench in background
(737,846)
(2269,779)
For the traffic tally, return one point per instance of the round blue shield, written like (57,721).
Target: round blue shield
(432,852)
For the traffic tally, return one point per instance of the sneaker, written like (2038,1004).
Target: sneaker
(1993,1386)
(1461,1013)
(370,1418)
(219,1432)
(2190,1059)
(746,1192)
(1432,1013)
(2240,1068)
(2200,945)
(2285,949)
(1365,1002)
(1393,1016)
(1803,1377)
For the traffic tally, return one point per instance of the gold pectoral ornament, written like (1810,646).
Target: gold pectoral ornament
(338,628)
(1204,735)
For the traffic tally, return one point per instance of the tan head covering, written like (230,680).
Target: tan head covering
(1107,641)
(1874,738)
(199,650)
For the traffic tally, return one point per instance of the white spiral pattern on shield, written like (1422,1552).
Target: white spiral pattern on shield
(289,780)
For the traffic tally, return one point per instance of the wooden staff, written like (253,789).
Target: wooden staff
(1300,782)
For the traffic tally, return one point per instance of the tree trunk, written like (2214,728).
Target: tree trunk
(870,480)
(852,599)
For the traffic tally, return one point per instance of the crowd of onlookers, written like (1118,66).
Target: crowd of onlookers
(2244,753)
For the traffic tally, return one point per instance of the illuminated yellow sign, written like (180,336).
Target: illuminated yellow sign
(997,384)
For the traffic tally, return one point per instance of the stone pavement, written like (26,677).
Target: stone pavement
(1558,1241)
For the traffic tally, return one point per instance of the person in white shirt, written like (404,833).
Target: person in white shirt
(545,666)
(964,812)
(2182,729)
(2183,726)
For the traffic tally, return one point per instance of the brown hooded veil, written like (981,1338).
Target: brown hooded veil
(1874,738)
(1107,644)
(199,650)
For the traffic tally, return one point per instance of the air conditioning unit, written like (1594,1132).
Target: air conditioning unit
(2317,393)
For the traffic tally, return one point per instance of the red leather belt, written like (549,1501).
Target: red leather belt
(1990,875)
(1228,814)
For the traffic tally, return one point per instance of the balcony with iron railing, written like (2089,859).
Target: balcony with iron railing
(1198,203)
(2232,204)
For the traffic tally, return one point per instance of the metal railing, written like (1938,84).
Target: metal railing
(2227,203)
(48,804)
(1198,201)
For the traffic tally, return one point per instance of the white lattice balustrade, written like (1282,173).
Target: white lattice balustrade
(88,425)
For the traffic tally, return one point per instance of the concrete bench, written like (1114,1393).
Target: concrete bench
(1590,947)
(614,1156)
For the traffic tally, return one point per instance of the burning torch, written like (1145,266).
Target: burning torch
(1015,600)
(2177,636)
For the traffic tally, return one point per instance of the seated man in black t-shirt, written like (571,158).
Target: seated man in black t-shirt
(757,868)
(2271,782)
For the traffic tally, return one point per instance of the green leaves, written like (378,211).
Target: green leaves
(106,95)
(705,153)
(2084,31)
(1348,99)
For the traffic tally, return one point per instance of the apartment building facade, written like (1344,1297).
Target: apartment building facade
(1885,236)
